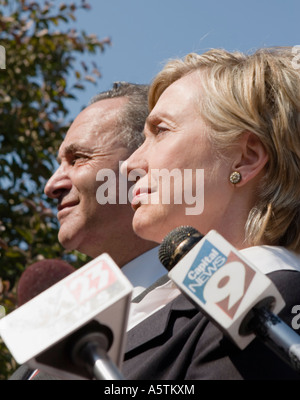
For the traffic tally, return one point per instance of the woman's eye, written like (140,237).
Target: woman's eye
(161,129)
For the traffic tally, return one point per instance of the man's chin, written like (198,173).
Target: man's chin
(72,243)
(67,241)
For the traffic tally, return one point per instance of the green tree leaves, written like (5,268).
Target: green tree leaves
(43,71)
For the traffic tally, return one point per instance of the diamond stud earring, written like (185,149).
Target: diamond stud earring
(235,177)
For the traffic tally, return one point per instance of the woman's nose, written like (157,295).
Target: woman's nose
(135,165)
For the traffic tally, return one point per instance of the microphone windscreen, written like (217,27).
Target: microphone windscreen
(40,276)
(177,244)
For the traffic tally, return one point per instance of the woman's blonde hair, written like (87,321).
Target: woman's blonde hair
(259,92)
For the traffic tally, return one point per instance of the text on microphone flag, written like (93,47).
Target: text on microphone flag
(225,288)
(98,277)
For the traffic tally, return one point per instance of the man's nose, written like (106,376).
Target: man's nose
(58,183)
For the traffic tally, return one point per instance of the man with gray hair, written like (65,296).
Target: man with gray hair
(103,134)
(100,137)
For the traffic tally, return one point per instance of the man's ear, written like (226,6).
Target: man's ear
(252,157)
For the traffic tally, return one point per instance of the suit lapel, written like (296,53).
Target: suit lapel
(155,325)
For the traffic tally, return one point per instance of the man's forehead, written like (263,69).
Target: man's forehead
(93,118)
(104,108)
(98,119)
(98,115)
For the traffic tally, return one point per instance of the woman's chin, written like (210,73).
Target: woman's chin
(146,226)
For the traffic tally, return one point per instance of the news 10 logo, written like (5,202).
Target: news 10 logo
(219,279)
(2,57)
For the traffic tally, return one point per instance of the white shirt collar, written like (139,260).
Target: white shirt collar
(144,270)
(272,258)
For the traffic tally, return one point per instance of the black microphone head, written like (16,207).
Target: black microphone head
(40,276)
(177,244)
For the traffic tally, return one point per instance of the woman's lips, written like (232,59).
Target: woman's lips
(138,196)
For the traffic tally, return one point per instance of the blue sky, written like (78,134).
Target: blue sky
(146,33)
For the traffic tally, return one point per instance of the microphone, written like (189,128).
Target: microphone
(240,300)
(76,328)
(40,276)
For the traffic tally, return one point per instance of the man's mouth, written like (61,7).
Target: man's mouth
(64,208)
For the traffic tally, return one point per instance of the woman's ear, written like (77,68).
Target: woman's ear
(252,157)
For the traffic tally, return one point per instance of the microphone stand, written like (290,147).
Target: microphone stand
(277,335)
(273,332)
(88,349)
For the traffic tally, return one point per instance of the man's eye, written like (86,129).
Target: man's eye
(76,158)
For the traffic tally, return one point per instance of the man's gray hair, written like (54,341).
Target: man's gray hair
(131,120)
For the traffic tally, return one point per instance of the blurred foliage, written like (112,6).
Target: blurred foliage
(42,55)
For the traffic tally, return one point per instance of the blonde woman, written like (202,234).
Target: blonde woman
(236,117)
